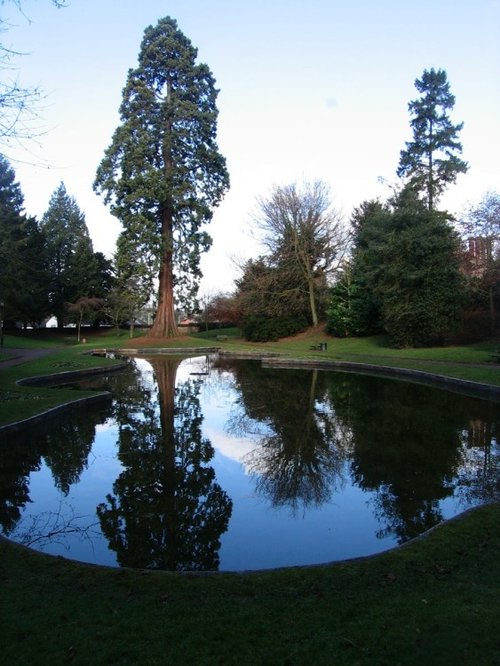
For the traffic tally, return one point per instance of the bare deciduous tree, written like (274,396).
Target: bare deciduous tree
(19,105)
(301,229)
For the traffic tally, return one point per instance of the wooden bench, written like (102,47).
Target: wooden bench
(323,346)
(495,356)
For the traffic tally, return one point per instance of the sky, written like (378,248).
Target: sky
(309,89)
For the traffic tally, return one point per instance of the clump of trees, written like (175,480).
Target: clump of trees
(399,267)
(285,290)
(47,268)
(405,274)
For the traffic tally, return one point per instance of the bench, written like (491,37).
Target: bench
(322,346)
(221,338)
(495,356)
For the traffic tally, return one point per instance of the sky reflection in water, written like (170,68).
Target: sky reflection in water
(205,464)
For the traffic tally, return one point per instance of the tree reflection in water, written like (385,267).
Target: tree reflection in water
(336,447)
(301,448)
(167,510)
(408,445)
(64,445)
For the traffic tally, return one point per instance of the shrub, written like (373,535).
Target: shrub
(270,329)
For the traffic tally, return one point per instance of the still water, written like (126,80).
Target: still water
(212,464)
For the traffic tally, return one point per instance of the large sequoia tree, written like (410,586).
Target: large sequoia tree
(163,173)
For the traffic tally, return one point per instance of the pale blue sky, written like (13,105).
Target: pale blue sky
(309,89)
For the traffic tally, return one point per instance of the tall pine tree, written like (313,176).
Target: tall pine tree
(163,173)
(431,160)
(23,274)
(69,250)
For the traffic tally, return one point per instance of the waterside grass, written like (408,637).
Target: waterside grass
(435,601)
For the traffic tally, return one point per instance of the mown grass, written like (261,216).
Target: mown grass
(435,601)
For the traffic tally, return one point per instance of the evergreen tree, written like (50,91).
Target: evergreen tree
(420,285)
(404,276)
(355,307)
(163,173)
(23,275)
(69,249)
(431,160)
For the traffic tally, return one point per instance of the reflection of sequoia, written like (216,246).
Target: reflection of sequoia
(406,447)
(167,511)
(301,450)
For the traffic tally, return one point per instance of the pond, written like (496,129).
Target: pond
(209,464)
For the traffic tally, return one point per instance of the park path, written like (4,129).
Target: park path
(20,355)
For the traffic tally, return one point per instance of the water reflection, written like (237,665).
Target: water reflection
(166,511)
(314,455)
(63,446)
(409,446)
(301,447)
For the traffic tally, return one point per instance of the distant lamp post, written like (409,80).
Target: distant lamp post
(1,323)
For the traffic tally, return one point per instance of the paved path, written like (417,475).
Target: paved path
(19,356)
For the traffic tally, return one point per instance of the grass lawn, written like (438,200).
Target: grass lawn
(435,601)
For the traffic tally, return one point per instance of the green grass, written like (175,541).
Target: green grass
(436,601)
(20,402)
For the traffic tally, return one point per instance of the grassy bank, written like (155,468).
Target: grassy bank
(435,601)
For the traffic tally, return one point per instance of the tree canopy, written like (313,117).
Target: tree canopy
(23,273)
(163,173)
(305,236)
(431,160)
(75,269)
(404,276)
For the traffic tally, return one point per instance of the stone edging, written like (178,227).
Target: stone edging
(450,383)
(41,380)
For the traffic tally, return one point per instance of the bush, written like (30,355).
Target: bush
(270,329)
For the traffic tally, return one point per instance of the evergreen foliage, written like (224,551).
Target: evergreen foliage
(404,277)
(23,274)
(75,270)
(431,160)
(163,173)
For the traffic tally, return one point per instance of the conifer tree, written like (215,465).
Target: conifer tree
(431,160)
(163,173)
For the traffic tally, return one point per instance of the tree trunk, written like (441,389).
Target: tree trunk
(165,325)
(312,303)
(165,371)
